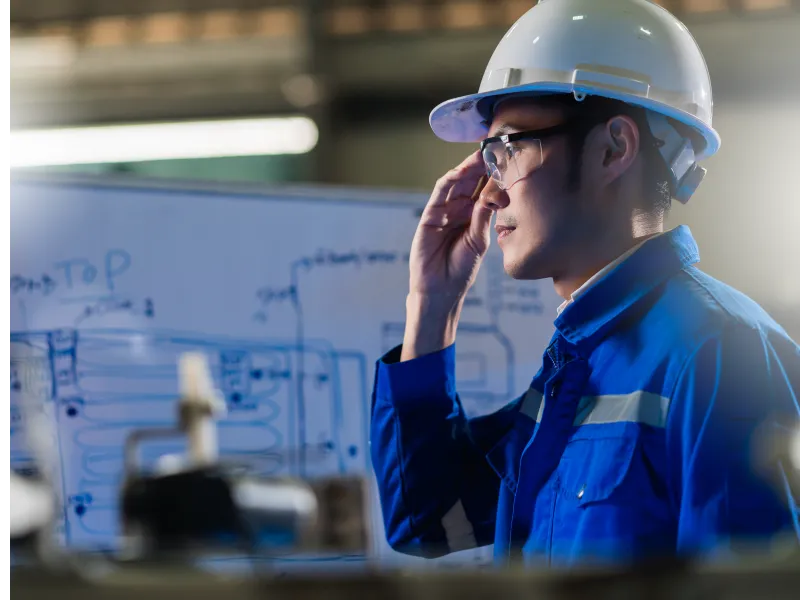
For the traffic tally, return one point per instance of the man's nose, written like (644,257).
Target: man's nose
(492,197)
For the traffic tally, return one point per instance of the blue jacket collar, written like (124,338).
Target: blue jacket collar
(595,312)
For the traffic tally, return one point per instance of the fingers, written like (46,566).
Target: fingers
(456,182)
(435,218)
(447,216)
(463,190)
(473,160)
(480,227)
(482,182)
(452,201)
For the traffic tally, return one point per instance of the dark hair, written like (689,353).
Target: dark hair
(657,191)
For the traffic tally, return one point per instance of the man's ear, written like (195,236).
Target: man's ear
(618,145)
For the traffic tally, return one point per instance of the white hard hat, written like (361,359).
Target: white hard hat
(628,50)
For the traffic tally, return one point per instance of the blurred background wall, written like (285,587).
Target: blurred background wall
(368,72)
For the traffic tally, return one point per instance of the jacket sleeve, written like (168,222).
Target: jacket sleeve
(736,387)
(438,493)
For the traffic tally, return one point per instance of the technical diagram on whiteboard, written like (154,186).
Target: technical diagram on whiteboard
(295,407)
(104,383)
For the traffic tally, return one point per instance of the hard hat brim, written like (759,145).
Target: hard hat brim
(463,120)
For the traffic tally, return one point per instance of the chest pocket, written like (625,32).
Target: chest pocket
(610,495)
(591,470)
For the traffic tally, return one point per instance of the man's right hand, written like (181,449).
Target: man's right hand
(451,240)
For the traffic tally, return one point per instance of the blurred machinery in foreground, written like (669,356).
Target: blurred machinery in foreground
(195,506)
(776,578)
(190,507)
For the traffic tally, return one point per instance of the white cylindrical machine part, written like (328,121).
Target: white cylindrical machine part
(31,506)
(199,405)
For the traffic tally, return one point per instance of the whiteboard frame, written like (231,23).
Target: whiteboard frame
(317,192)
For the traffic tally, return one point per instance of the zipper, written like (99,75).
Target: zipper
(556,488)
(552,352)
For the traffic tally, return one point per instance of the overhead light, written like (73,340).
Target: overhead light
(34,54)
(578,18)
(162,141)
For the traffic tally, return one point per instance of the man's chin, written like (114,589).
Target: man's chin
(527,268)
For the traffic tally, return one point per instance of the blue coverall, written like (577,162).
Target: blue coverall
(632,442)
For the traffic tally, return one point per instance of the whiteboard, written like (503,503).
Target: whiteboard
(292,294)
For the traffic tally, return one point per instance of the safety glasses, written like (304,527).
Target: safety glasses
(513,156)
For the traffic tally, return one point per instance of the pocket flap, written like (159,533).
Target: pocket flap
(591,469)
(504,457)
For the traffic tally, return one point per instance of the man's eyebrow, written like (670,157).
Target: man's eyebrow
(504,129)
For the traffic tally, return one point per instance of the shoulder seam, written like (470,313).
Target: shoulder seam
(692,271)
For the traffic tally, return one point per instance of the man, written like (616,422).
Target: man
(635,438)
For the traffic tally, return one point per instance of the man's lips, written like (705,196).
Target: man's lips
(503,231)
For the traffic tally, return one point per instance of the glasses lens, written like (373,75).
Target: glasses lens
(490,160)
(494,155)
(508,163)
